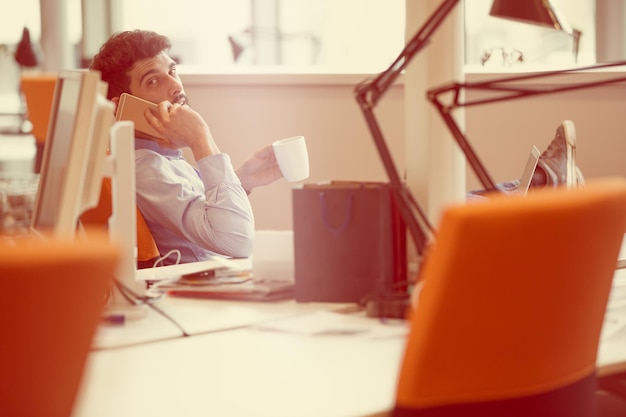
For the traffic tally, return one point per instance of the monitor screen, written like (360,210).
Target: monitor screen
(74,115)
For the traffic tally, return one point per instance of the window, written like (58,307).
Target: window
(360,36)
(497,43)
(341,36)
(23,14)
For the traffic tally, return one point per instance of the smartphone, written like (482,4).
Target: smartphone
(132,108)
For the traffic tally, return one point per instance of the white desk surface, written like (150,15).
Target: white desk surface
(253,371)
(245,372)
(199,316)
(149,328)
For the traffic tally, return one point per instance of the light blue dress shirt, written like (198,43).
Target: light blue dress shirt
(202,212)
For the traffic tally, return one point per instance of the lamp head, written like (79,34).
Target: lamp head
(537,12)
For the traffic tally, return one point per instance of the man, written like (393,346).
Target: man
(197,212)
(556,165)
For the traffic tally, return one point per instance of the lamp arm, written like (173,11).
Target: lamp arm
(505,88)
(498,90)
(461,140)
(370,93)
(419,227)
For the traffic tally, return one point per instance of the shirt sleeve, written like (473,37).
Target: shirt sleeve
(207,206)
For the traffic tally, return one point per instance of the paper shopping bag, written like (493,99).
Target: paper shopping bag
(349,241)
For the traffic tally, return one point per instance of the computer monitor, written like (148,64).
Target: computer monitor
(82,127)
(74,153)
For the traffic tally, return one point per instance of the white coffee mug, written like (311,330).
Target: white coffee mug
(292,157)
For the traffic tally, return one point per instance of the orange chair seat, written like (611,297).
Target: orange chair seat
(513,297)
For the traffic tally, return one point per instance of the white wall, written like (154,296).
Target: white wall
(246,112)
(503,133)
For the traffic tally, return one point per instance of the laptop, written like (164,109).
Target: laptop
(176,271)
(529,170)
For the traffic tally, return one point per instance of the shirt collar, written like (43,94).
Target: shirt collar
(153,146)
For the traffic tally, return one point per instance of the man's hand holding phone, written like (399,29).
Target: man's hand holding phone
(172,125)
(132,108)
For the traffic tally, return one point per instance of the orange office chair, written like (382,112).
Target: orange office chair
(38,89)
(51,301)
(513,296)
(147,251)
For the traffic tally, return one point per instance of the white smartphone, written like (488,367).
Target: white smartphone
(132,108)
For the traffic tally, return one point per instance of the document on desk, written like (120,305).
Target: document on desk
(238,286)
(326,323)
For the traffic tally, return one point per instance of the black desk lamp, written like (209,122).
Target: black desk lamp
(370,91)
(448,97)
(537,12)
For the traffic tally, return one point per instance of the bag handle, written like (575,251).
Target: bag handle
(348,216)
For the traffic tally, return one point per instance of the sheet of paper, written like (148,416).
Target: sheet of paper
(325,323)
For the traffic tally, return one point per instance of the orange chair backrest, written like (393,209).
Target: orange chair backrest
(51,303)
(514,294)
(147,249)
(38,90)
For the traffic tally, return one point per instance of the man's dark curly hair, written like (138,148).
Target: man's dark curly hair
(120,53)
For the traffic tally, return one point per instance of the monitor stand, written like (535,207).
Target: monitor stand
(124,303)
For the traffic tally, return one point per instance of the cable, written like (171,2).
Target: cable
(164,257)
(137,300)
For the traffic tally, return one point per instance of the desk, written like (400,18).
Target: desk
(244,372)
(255,372)
(199,316)
(250,371)
(192,316)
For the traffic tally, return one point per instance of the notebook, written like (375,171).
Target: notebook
(248,290)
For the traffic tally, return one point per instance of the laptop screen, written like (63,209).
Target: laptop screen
(529,170)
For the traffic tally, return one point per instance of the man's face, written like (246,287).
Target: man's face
(155,79)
